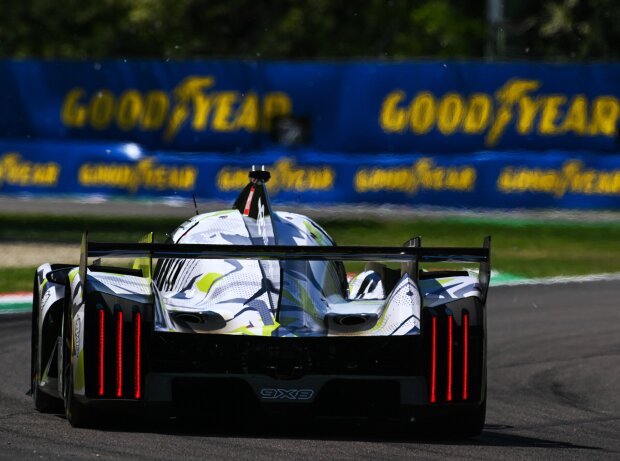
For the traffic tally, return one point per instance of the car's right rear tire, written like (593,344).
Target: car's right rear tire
(77,414)
(459,422)
(470,423)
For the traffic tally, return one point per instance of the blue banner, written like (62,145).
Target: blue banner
(517,179)
(483,135)
(368,107)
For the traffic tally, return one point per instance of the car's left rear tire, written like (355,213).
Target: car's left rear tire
(42,402)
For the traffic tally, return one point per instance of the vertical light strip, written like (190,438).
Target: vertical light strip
(138,355)
(449,394)
(434,360)
(465,352)
(119,353)
(101,351)
(248,203)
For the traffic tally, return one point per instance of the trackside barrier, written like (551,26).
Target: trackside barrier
(484,179)
(353,106)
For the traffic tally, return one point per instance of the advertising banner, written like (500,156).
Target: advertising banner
(362,107)
(517,179)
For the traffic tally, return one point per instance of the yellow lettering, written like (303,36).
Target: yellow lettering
(129,110)
(145,174)
(528,108)
(101,109)
(479,109)
(570,178)
(187,92)
(202,107)
(15,171)
(605,112)
(576,119)
(392,118)
(73,111)
(285,175)
(219,111)
(550,114)
(422,175)
(187,178)
(360,181)
(450,113)
(223,110)
(507,96)
(156,108)
(422,113)
(246,117)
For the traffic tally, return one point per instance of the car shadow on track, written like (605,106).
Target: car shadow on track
(328,430)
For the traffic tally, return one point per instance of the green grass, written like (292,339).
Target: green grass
(526,248)
(531,249)
(30,228)
(20,279)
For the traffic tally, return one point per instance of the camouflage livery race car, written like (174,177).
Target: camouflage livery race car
(249,310)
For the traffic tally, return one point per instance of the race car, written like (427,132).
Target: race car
(253,311)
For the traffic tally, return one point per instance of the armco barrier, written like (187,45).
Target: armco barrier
(373,107)
(484,179)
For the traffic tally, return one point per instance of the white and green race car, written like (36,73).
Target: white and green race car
(251,310)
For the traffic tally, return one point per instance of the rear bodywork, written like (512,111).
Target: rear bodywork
(248,310)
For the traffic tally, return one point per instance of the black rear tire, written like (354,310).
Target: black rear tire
(43,402)
(77,414)
(470,423)
(461,423)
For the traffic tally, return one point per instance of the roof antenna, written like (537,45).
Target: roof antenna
(195,205)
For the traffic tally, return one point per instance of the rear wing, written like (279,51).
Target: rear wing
(412,254)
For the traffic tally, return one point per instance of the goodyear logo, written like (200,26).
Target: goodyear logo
(147,174)
(194,102)
(14,171)
(572,178)
(285,176)
(422,175)
(517,103)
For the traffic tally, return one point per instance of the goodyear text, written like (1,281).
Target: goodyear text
(14,171)
(195,101)
(518,103)
(147,174)
(285,176)
(422,175)
(571,178)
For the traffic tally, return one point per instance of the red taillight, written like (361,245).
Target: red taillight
(119,353)
(449,395)
(465,352)
(101,351)
(434,360)
(138,351)
(248,203)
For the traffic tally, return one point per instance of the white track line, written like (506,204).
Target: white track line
(607,277)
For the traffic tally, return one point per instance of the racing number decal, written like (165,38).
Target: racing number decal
(286,394)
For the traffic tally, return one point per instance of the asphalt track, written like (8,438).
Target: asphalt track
(554,375)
